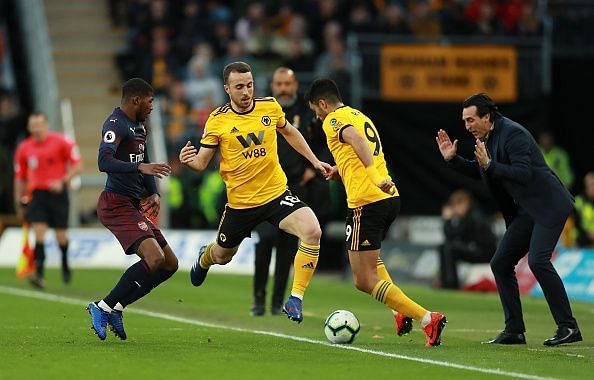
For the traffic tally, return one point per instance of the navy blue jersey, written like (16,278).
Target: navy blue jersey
(122,150)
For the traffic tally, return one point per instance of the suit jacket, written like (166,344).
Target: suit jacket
(519,177)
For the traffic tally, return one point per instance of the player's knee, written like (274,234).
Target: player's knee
(538,264)
(223,260)
(172,265)
(499,266)
(363,284)
(154,261)
(312,234)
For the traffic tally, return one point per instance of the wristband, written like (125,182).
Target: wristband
(374,175)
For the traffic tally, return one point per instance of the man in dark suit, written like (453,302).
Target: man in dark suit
(535,206)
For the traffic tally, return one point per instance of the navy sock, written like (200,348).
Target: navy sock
(160,276)
(134,278)
(39,258)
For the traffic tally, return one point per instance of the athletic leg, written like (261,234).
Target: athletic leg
(40,229)
(61,236)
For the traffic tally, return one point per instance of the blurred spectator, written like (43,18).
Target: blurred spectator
(12,122)
(192,29)
(468,237)
(584,213)
(160,67)
(556,157)
(204,91)
(221,38)
(249,25)
(529,23)
(360,18)
(177,115)
(488,22)
(393,20)
(179,204)
(333,63)
(327,12)
(234,53)
(423,21)
(254,30)
(453,20)
(295,45)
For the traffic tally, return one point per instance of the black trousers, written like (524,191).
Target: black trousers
(286,247)
(453,251)
(522,236)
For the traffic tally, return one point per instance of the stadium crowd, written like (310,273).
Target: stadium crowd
(181,48)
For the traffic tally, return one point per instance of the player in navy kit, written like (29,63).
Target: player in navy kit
(130,198)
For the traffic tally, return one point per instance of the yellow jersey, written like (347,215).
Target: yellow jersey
(247,141)
(359,188)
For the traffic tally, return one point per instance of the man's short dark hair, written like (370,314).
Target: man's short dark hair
(136,87)
(323,89)
(484,105)
(237,67)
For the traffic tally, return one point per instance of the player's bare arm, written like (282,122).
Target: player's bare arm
(446,147)
(196,159)
(354,139)
(297,141)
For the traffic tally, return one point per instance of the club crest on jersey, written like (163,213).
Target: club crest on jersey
(143,226)
(333,122)
(266,120)
(222,237)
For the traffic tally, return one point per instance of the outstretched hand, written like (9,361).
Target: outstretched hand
(323,167)
(188,153)
(446,147)
(158,170)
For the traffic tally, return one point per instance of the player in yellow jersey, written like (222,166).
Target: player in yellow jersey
(373,203)
(244,130)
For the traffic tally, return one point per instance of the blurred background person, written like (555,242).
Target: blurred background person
(468,237)
(44,164)
(556,157)
(303,182)
(584,213)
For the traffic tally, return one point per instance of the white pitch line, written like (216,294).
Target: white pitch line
(169,317)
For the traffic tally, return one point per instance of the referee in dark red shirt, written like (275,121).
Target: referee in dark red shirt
(44,164)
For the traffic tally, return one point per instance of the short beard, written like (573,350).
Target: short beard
(289,102)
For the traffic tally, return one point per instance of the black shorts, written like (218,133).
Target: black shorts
(122,216)
(237,224)
(368,225)
(48,207)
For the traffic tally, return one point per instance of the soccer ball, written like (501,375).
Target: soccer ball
(341,326)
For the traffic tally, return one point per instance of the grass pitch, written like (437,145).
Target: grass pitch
(179,331)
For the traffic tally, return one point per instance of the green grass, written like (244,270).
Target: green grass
(49,339)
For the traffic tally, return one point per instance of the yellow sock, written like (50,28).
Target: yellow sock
(382,272)
(391,295)
(304,265)
(207,258)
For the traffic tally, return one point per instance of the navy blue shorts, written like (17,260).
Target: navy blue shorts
(122,216)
